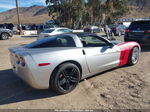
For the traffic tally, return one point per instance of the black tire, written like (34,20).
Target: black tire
(115,34)
(65,78)
(4,36)
(118,34)
(134,56)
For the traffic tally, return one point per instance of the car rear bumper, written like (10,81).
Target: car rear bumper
(26,74)
(141,41)
(11,34)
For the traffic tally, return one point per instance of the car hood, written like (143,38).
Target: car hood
(3,29)
(115,42)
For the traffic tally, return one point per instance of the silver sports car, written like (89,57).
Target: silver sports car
(61,61)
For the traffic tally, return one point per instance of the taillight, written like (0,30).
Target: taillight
(148,31)
(127,30)
(22,61)
(44,64)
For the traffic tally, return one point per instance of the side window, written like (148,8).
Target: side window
(68,30)
(65,41)
(61,30)
(119,26)
(92,41)
(64,30)
(124,27)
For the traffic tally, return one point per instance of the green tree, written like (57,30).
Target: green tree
(68,12)
(73,13)
(113,9)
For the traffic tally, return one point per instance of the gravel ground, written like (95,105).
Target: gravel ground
(121,88)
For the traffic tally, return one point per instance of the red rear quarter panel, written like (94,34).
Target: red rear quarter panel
(126,48)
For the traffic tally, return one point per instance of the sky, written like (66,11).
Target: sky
(9,4)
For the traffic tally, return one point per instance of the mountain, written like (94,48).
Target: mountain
(28,15)
(39,14)
(138,9)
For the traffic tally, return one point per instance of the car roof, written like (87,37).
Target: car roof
(80,34)
(59,28)
(114,25)
(141,21)
(84,34)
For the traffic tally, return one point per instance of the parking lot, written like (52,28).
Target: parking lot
(125,87)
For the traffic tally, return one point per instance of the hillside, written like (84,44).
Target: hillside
(139,9)
(34,14)
(39,14)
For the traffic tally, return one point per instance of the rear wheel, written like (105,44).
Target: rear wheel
(134,56)
(4,36)
(65,78)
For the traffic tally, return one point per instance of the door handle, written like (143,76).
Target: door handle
(83,52)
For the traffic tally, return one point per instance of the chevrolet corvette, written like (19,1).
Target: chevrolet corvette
(61,61)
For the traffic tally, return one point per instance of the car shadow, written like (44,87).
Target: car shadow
(13,89)
(101,73)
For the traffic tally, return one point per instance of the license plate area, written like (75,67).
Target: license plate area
(137,31)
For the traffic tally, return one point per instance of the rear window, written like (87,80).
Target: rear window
(113,26)
(54,41)
(140,25)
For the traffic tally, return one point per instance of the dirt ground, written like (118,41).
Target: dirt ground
(121,88)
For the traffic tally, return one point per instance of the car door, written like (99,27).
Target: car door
(99,55)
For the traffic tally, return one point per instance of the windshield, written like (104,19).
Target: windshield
(46,26)
(39,42)
(48,31)
(116,25)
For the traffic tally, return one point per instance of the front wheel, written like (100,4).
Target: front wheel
(4,36)
(65,78)
(134,56)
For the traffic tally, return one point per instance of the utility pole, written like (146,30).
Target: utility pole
(19,23)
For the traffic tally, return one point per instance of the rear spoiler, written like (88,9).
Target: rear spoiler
(18,50)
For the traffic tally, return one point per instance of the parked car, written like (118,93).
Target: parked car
(45,26)
(61,61)
(139,31)
(53,31)
(92,29)
(5,34)
(1,25)
(118,29)
(7,26)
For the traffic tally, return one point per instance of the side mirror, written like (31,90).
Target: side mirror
(111,45)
